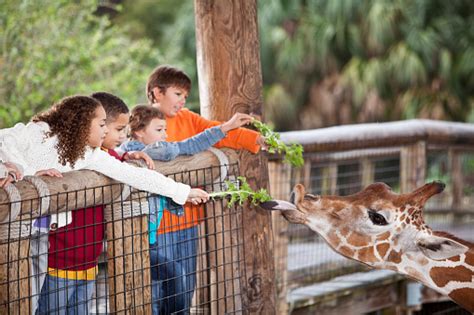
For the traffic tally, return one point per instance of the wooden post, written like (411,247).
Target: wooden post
(230,81)
(128,259)
(455,168)
(329,179)
(367,172)
(412,166)
(280,188)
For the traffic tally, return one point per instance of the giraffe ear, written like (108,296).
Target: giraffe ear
(440,248)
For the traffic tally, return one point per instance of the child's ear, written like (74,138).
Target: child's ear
(138,134)
(157,94)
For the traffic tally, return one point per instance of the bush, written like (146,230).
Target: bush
(51,49)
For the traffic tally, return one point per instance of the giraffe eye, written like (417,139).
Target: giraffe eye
(377,218)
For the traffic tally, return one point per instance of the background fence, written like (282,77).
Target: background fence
(342,161)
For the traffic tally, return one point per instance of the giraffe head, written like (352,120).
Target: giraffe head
(375,226)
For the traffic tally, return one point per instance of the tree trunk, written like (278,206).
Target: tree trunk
(230,81)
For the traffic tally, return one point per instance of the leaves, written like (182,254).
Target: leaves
(293,153)
(241,194)
(51,49)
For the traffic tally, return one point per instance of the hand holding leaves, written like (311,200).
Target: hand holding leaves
(293,153)
(242,193)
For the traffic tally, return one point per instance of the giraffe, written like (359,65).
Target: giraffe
(386,230)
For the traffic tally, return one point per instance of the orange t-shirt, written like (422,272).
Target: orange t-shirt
(185,125)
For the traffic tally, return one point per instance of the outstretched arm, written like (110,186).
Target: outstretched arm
(140,178)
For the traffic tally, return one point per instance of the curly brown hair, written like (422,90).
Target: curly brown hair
(70,120)
(141,117)
(164,77)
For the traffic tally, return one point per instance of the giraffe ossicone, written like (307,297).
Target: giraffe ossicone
(386,230)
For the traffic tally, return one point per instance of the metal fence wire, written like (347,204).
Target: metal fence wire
(124,256)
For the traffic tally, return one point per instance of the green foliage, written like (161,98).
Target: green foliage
(293,153)
(241,194)
(51,49)
(416,55)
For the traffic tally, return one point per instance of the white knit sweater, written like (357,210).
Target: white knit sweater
(28,146)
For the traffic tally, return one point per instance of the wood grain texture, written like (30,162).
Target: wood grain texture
(230,81)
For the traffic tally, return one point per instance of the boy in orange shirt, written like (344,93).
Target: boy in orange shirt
(167,89)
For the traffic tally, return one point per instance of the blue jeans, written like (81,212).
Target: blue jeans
(173,271)
(65,296)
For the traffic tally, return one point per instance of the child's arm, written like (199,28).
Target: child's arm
(140,178)
(167,151)
(240,138)
(139,155)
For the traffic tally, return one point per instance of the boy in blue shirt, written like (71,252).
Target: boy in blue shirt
(148,134)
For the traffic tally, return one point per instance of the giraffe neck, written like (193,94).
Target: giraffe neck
(453,277)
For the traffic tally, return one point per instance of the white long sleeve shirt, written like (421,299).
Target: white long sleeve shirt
(28,146)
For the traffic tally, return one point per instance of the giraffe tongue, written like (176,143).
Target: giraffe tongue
(280,205)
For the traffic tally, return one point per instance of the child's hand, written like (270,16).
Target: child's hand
(49,172)
(261,142)
(197,196)
(13,173)
(238,120)
(139,155)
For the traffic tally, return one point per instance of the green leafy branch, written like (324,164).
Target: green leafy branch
(240,194)
(293,153)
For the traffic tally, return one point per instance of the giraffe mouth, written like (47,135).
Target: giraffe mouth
(288,209)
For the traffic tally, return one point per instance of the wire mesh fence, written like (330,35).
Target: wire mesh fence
(78,252)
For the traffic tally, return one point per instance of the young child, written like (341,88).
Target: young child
(148,133)
(68,137)
(167,89)
(74,248)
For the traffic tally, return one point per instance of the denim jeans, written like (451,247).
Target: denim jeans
(65,296)
(173,271)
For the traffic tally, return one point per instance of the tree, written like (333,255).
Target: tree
(372,60)
(51,49)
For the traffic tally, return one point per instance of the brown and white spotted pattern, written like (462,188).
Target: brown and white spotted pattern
(386,230)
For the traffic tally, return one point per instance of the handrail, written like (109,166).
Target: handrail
(386,134)
(91,184)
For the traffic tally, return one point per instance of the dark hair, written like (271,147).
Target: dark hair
(164,77)
(113,105)
(70,120)
(141,117)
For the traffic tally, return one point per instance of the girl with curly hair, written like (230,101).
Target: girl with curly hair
(68,137)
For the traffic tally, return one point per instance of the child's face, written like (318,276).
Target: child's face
(170,102)
(117,131)
(98,129)
(155,131)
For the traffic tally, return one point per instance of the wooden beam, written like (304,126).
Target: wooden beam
(230,80)
(86,188)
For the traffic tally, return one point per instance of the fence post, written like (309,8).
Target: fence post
(128,259)
(455,170)
(367,171)
(280,188)
(412,166)
(230,81)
